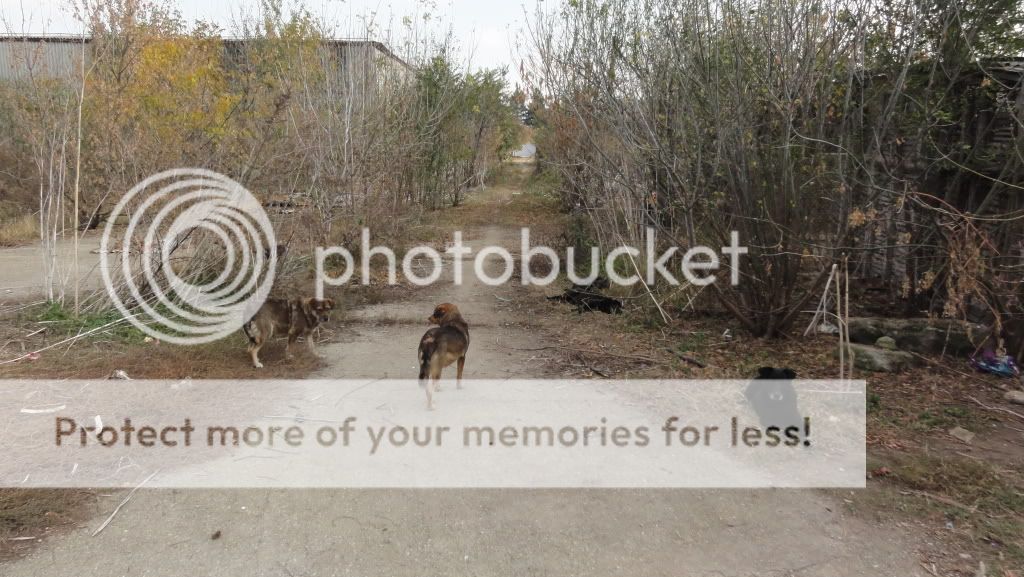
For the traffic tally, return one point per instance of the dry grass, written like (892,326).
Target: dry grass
(971,509)
(99,358)
(19,231)
(29,515)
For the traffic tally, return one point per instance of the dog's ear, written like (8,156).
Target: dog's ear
(766,372)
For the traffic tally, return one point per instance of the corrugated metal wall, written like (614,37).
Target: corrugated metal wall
(60,57)
(40,58)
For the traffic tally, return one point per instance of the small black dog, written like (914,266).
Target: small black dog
(586,298)
(774,399)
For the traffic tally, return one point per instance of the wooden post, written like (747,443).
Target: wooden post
(78,173)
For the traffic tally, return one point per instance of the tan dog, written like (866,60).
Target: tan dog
(296,318)
(442,346)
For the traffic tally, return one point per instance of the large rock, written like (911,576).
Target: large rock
(876,360)
(922,336)
(1015,397)
(887,343)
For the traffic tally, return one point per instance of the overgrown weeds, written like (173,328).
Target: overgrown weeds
(19,230)
(60,321)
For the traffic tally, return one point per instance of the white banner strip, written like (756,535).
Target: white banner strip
(377,434)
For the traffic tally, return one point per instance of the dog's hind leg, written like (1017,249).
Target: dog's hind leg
(292,337)
(425,384)
(436,367)
(256,339)
(458,376)
(429,388)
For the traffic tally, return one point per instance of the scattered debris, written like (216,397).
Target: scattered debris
(45,411)
(880,472)
(216,535)
(990,362)
(827,328)
(592,369)
(119,375)
(962,434)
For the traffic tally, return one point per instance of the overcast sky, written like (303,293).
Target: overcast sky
(485,28)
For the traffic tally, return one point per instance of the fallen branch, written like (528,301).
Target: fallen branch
(944,500)
(687,358)
(125,501)
(592,369)
(298,419)
(998,409)
(664,315)
(954,371)
(593,352)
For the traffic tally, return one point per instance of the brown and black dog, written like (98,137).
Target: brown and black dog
(294,317)
(442,346)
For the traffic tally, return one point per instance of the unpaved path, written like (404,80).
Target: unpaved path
(382,344)
(21,276)
(421,533)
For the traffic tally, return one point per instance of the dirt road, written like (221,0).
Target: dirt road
(469,532)
(23,275)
